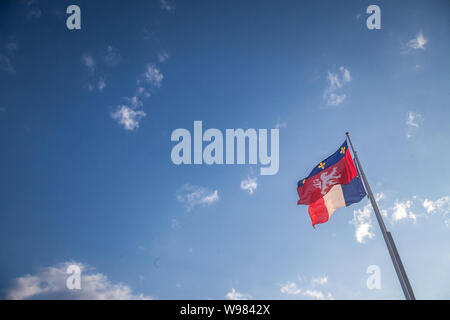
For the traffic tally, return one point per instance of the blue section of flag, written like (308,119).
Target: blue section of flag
(353,192)
(328,162)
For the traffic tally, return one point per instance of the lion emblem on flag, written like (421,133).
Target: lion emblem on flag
(326,179)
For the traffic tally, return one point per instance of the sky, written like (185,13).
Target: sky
(86,118)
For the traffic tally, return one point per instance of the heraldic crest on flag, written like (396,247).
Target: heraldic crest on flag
(332,184)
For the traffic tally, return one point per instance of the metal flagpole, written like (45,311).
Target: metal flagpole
(401,273)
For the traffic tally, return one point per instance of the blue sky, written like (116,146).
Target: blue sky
(86,175)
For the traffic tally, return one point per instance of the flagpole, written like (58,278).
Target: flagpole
(398,265)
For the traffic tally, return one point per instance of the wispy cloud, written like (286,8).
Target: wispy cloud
(402,210)
(192,196)
(97,79)
(89,62)
(153,76)
(316,294)
(6,65)
(362,221)
(112,56)
(12,46)
(235,295)
(413,122)
(320,280)
(175,224)
(249,185)
(280,124)
(311,291)
(163,56)
(101,84)
(50,283)
(441,206)
(6,54)
(166,5)
(290,288)
(33,11)
(128,117)
(418,42)
(333,94)
(129,114)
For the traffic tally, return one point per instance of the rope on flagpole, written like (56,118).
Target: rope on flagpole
(398,265)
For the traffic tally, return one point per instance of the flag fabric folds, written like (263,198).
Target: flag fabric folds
(340,195)
(336,169)
(332,184)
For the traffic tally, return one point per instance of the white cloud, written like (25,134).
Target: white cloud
(362,219)
(89,62)
(249,185)
(50,283)
(234,295)
(335,99)
(290,288)
(97,81)
(7,54)
(166,5)
(413,119)
(101,84)
(175,224)
(134,101)
(153,75)
(6,65)
(363,223)
(320,280)
(413,122)
(314,294)
(440,205)
(112,57)
(191,196)
(336,83)
(280,124)
(210,198)
(128,117)
(346,77)
(401,210)
(163,56)
(418,42)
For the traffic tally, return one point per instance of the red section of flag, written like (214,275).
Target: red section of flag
(318,212)
(318,185)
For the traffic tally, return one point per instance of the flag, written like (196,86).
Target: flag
(340,195)
(336,169)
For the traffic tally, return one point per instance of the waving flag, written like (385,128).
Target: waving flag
(336,169)
(334,183)
(331,185)
(340,195)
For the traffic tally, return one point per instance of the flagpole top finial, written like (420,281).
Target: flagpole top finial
(347,133)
